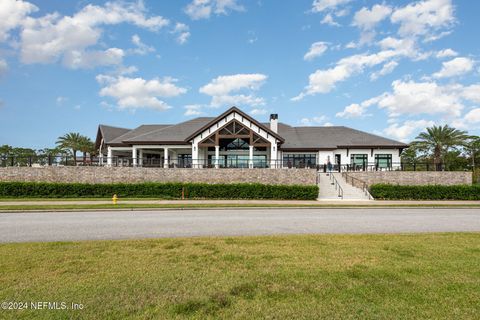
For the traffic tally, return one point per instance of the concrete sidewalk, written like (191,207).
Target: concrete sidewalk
(242,202)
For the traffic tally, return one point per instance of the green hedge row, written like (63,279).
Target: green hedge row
(426,192)
(158,190)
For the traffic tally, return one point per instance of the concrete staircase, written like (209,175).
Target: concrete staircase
(328,191)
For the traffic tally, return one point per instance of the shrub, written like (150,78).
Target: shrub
(171,190)
(425,192)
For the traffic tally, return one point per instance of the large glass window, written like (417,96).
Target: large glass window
(359,160)
(238,161)
(307,160)
(184,160)
(383,160)
(233,144)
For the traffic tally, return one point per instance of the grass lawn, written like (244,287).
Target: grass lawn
(428,276)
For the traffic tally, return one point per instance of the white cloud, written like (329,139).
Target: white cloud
(252,37)
(367,19)
(446,53)
(316,50)
(182,32)
(405,47)
(225,84)
(61,100)
(318,120)
(134,93)
(405,131)
(69,38)
(356,110)
(455,67)
(322,5)
(409,98)
(258,112)
(423,17)
(323,81)
(420,98)
(122,70)
(221,89)
(386,69)
(471,120)
(222,6)
(77,59)
(351,45)
(342,12)
(473,116)
(12,15)
(328,19)
(471,93)
(203,9)
(141,48)
(193,110)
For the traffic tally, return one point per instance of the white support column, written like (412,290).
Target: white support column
(109,156)
(100,157)
(140,157)
(250,157)
(165,157)
(134,156)
(217,157)
(273,155)
(195,163)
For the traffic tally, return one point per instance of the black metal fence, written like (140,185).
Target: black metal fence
(65,160)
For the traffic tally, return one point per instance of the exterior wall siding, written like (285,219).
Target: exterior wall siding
(132,175)
(371,158)
(414,178)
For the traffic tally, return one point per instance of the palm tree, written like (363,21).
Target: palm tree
(437,140)
(473,147)
(86,146)
(73,141)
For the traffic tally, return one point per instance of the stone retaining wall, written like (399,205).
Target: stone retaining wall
(131,175)
(414,177)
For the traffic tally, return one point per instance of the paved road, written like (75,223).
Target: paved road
(56,226)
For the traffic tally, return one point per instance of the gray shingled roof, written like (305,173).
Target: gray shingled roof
(295,137)
(172,134)
(331,138)
(143,129)
(109,133)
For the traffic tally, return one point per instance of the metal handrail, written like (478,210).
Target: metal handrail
(337,185)
(69,160)
(363,183)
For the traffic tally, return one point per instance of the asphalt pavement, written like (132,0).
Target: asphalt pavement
(100,225)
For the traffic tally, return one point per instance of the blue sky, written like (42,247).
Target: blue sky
(388,67)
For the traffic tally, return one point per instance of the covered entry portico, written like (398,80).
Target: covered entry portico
(235,145)
(234,139)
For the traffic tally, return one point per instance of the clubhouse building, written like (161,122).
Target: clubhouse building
(234,139)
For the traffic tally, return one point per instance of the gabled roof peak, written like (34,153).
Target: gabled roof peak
(243,114)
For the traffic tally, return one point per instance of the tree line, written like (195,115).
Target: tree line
(67,145)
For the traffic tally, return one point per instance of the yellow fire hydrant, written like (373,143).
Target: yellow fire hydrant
(114,199)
